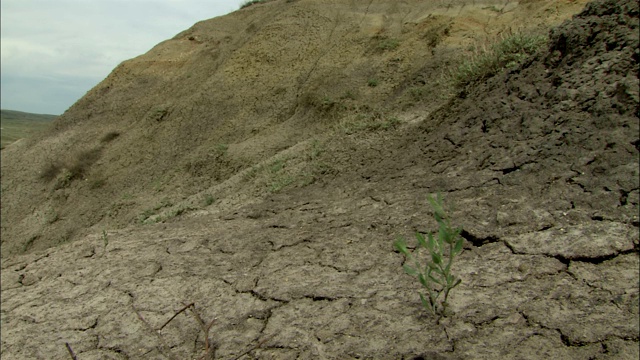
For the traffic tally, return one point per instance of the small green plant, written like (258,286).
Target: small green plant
(280,183)
(50,171)
(277,165)
(105,238)
(388,44)
(209,199)
(507,53)
(159,113)
(435,277)
(372,82)
(222,149)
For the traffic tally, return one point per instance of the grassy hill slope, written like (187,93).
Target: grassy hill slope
(233,108)
(17,125)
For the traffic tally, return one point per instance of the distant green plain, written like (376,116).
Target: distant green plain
(16,125)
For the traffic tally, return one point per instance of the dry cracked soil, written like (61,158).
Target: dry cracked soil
(538,164)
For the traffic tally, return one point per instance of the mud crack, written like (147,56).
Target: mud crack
(480,241)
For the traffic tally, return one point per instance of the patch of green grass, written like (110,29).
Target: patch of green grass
(433,270)
(222,148)
(509,52)
(64,179)
(386,44)
(372,82)
(149,213)
(209,199)
(17,125)
(252,173)
(277,165)
(105,238)
(280,183)
(316,150)
(158,114)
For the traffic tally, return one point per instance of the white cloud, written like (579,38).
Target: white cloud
(58,46)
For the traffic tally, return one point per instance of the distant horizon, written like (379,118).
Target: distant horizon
(53,53)
(27,112)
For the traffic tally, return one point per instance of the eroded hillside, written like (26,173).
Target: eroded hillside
(538,163)
(231,109)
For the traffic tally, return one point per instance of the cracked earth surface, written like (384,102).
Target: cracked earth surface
(539,165)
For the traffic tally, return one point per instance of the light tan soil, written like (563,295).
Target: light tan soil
(273,203)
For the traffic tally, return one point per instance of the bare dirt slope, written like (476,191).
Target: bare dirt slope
(539,164)
(167,132)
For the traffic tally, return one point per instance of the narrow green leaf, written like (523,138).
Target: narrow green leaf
(401,246)
(448,268)
(450,279)
(423,280)
(435,280)
(421,241)
(458,247)
(409,270)
(436,258)
(443,235)
(425,303)
(436,268)
(432,243)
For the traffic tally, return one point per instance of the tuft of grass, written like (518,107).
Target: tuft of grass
(105,238)
(67,171)
(386,44)
(277,165)
(435,273)
(222,149)
(509,52)
(209,199)
(280,183)
(372,82)
(159,113)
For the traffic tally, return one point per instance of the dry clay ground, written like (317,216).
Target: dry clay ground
(539,164)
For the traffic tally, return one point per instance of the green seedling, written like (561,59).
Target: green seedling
(435,276)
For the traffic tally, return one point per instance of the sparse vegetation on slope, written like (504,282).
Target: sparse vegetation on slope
(506,53)
(159,126)
(541,162)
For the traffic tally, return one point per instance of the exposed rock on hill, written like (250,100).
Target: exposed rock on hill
(540,165)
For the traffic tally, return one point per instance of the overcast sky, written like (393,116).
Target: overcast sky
(53,52)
